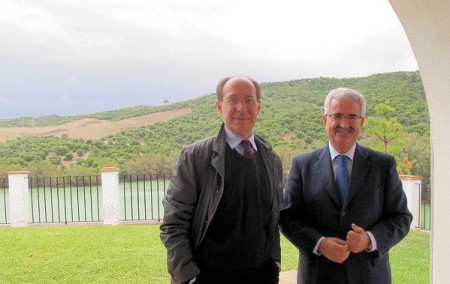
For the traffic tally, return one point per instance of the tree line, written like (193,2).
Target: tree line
(290,120)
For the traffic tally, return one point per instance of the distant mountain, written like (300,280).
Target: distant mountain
(290,120)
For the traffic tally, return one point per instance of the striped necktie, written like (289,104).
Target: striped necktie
(248,149)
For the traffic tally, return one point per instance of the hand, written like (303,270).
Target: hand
(334,249)
(357,239)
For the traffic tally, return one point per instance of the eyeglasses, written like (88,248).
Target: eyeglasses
(340,116)
(247,101)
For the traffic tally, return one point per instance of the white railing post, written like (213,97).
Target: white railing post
(110,193)
(411,187)
(19,198)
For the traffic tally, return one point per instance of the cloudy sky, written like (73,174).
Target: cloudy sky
(76,57)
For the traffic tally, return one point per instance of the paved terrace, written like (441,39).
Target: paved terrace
(288,277)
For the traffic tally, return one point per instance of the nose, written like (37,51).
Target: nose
(344,122)
(241,105)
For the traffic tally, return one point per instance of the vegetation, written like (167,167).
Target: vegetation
(384,127)
(290,120)
(135,254)
(112,115)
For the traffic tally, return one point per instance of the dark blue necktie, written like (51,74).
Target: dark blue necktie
(248,149)
(342,176)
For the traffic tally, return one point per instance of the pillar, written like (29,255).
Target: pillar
(110,194)
(19,198)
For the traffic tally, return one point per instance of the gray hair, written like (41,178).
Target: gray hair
(345,94)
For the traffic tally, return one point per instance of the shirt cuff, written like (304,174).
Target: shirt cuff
(316,247)
(373,243)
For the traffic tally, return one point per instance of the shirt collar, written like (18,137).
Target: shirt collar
(350,153)
(233,139)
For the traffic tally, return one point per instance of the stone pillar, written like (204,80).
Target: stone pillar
(19,198)
(110,193)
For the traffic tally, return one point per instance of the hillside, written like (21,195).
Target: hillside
(91,128)
(290,120)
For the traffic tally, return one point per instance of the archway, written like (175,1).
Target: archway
(427,25)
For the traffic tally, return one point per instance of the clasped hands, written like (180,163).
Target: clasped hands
(338,250)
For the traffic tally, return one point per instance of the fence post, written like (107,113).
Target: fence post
(19,197)
(110,188)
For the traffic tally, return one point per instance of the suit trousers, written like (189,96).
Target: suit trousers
(342,276)
(269,274)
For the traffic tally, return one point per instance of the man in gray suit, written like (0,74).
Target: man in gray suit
(344,228)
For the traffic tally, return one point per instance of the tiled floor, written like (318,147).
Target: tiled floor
(288,277)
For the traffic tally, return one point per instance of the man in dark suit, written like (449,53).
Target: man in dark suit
(344,232)
(222,206)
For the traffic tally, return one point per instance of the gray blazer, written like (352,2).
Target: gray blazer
(311,209)
(194,194)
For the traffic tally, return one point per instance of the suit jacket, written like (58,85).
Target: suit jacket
(375,201)
(193,195)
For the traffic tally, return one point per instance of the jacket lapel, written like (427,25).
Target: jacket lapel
(325,175)
(360,169)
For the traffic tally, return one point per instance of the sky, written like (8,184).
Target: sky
(65,57)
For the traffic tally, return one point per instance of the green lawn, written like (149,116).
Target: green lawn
(135,254)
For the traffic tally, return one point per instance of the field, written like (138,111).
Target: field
(135,254)
(90,128)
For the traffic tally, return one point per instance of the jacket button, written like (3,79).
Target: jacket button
(342,213)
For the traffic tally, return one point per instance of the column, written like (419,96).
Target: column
(110,193)
(19,198)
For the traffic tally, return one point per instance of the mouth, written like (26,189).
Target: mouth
(343,130)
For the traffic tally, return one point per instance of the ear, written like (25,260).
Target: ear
(324,119)
(361,121)
(219,106)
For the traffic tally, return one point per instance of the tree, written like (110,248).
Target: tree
(384,127)
(417,147)
(43,168)
(68,157)
(385,132)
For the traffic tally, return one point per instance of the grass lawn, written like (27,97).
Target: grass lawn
(135,254)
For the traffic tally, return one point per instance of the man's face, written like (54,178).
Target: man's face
(239,107)
(344,132)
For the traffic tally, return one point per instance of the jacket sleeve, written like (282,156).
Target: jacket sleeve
(396,219)
(292,223)
(179,208)
(278,186)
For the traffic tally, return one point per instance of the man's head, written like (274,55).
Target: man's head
(343,117)
(239,103)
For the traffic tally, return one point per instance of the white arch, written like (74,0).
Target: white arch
(427,25)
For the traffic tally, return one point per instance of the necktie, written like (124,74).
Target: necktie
(248,149)
(342,176)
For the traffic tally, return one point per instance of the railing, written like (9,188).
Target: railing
(80,199)
(65,199)
(142,195)
(425,210)
(4,201)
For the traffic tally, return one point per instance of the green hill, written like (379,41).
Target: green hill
(290,119)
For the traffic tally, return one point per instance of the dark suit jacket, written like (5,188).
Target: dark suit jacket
(375,201)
